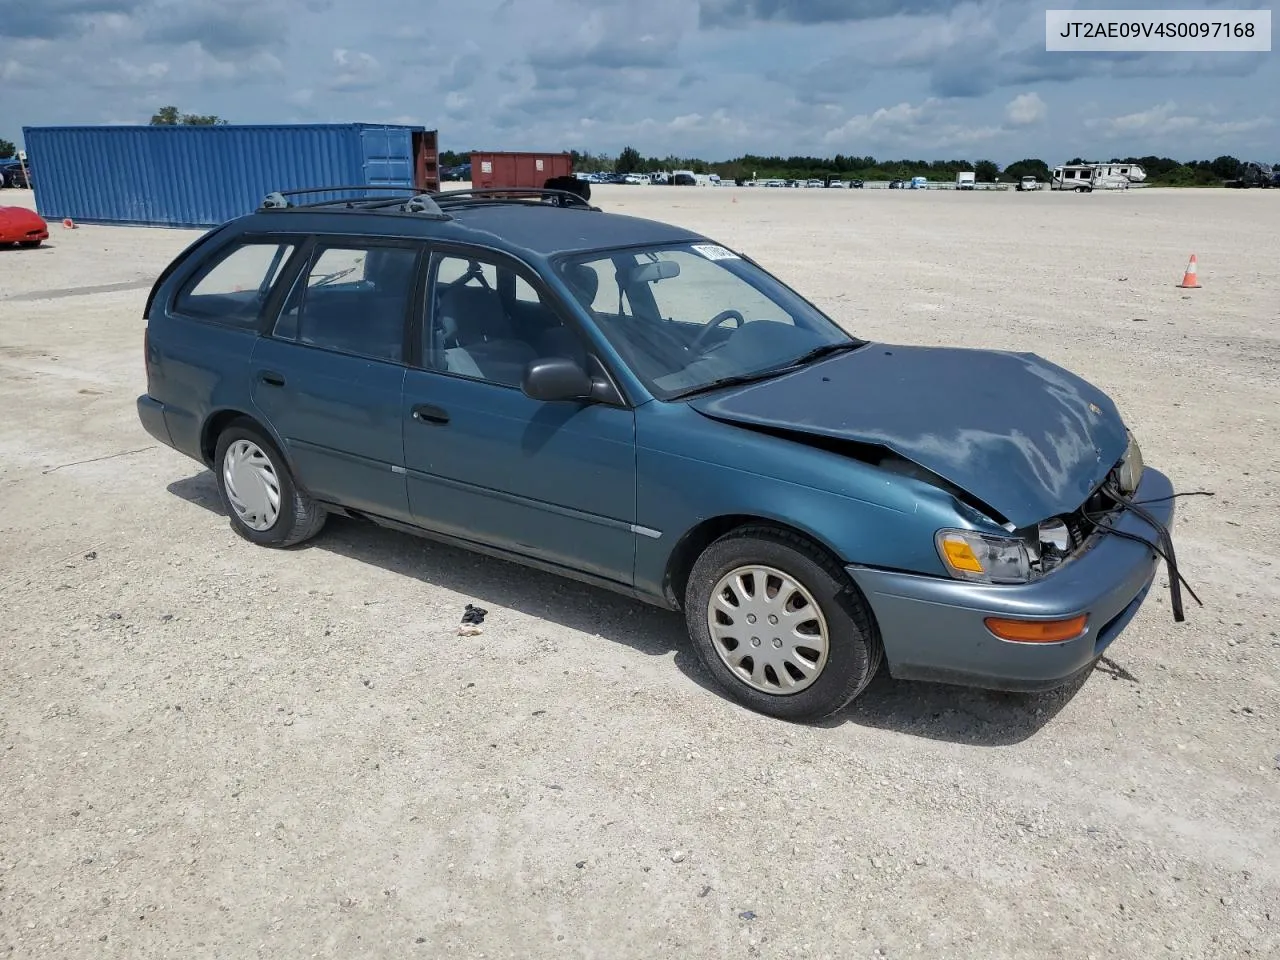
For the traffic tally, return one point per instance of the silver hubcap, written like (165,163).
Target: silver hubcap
(252,485)
(768,629)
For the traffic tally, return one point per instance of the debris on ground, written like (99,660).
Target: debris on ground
(471,620)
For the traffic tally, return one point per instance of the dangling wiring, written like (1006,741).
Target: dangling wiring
(1163,546)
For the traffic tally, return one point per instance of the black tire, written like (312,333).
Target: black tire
(854,647)
(30,244)
(300,518)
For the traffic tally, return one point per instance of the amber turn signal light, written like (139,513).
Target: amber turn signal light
(1037,631)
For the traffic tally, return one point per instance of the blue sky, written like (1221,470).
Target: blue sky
(924,79)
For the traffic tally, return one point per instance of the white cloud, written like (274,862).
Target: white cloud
(720,121)
(357,70)
(888,122)
(930,124)
(139,74)
(1025,109)
(1166,120)
(200,67)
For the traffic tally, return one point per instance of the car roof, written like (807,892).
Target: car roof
(547,230)
(521,228)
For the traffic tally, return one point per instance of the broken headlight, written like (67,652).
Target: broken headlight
(1129,470)
(983,558)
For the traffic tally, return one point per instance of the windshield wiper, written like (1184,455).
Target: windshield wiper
(826,350)
(733,381)
(817,353)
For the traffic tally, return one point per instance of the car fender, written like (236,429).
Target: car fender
(692,470)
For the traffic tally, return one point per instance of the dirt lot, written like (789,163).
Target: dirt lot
(209,749)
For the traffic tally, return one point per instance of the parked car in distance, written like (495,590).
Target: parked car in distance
(632,404)
(856,184)
(1028,183)
(15,174)
(22,227)
(966,180)
(1254,174)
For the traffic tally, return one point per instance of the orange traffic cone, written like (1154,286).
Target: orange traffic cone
(1189,277)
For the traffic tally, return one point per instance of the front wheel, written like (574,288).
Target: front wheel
(258,491)
(777,623)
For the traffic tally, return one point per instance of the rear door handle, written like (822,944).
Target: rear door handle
(426,413)
(271,378)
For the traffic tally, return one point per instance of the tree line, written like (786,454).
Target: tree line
(1161,171)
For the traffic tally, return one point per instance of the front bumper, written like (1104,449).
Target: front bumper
(933,627)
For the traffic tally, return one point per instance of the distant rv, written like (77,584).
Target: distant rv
(1085,177)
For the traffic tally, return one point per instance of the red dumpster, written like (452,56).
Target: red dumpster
(528,170)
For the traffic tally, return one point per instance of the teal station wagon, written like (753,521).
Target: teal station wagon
(639,407)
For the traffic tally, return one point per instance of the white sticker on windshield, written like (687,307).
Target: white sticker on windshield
(714,251)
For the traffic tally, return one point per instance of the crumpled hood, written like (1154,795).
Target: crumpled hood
(1018,433)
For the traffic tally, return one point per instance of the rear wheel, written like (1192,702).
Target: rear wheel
(30,244)
(258,491)
(777,623)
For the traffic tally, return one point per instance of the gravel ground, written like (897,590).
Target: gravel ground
(213,750)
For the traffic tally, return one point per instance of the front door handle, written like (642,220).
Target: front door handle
(271,378)
(426,413)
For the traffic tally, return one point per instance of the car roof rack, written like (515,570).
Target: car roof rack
(403,199)
(525,195)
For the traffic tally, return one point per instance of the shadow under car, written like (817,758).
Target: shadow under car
(933,711)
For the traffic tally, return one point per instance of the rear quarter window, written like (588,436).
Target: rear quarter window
(233,287)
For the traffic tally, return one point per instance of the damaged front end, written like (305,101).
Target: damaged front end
(1032,552)
(1039,460)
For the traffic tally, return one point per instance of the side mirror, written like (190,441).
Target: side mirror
(556,378)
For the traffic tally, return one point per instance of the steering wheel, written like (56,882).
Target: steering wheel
(711,325)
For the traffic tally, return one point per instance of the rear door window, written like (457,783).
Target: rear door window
(234,287)
(352,298)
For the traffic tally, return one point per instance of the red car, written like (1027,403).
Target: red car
(24,227)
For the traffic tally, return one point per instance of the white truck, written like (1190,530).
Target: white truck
(966,180)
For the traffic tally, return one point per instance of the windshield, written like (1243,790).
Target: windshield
(688,316)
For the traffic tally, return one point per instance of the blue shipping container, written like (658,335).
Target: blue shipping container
(202,176)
